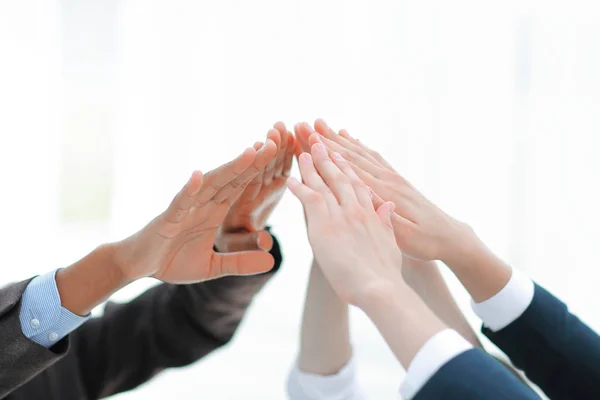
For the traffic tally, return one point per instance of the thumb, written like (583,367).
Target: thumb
(243,241)
(385,212)
(240,263)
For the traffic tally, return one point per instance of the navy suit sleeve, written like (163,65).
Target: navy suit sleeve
(474,375)
(554,348)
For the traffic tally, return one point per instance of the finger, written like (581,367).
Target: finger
(375,155)
(312,201)
(322,128)
(184,200)
(313,180)
(338,183)
(273,135)
(234,189)
(348,155)
(363,193)
(240,263)
(403,229)
(223,176)
(260,240)
(385,214)
(289,156)
(255,185)
(283,150)
(303,131)
(377,201)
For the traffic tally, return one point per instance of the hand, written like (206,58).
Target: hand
(177,246)
(247,218)
(353,243)
(423,231)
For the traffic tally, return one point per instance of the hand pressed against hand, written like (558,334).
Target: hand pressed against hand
(177,246)
(423,231)
(353,243)
(245,223)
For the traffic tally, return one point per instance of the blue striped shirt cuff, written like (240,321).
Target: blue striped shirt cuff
(43,319)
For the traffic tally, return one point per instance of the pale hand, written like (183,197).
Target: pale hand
(177,246)
(353,243)
(423,231)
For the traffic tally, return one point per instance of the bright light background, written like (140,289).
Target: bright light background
(491,108)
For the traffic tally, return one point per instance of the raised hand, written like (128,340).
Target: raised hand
(244,225)
(423,231)
(353,243)
(177,246)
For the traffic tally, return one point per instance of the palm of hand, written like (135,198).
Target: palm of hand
(185,249)
(177,246)
(254,207)
(252,210)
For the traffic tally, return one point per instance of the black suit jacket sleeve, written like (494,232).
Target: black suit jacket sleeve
(20,358)
(167,326)
(474,375)
(554,348)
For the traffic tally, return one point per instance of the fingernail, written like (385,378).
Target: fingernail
(370,192)
(319,148)
(337,157)
(306,158)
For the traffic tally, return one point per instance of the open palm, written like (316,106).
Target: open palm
(177,246)
(254,206)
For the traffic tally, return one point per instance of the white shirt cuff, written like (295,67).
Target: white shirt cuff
(339,386)
(508,304)
(434,354)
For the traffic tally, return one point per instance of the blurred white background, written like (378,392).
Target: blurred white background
(491,108)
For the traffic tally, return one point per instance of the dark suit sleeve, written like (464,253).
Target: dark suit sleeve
(554,348)
(167,326)
(20,358)
(474,375)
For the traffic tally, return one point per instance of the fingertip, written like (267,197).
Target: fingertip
(264,241)
(258,145)
(274,136)
(319,149)
(314,138)
(280,126)
(195,182)
(305,158)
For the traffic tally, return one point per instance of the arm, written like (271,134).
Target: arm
(427,281)
(175,247)
(536,330)
(502,298)
(177,325)
(167,326)
(325,336)
(340,216)
(423,276)
(324,368)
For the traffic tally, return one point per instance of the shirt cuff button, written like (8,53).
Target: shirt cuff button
(53,336)
(35,323)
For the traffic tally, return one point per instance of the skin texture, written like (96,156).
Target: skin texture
(340,215)
(423,277)
(176,246)
(422,230)
(247,218)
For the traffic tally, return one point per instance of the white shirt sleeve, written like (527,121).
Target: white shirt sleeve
(508,304)
(340,386)
(434,354)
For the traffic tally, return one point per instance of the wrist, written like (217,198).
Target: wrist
(90,281)
(480,271)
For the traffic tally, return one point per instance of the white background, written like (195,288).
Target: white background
(491,108)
